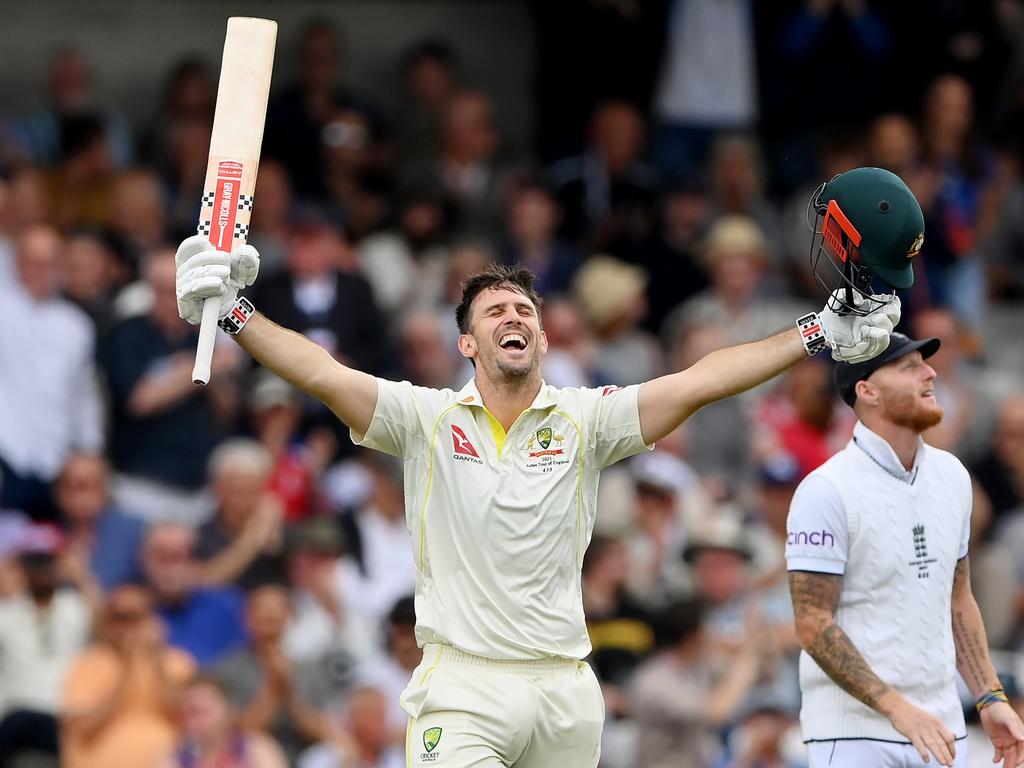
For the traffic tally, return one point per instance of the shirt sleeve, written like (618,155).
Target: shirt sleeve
(403,420)
(968,497)
(615,422)
(817,535)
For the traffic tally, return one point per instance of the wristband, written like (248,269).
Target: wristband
(238,316)
(991,697)
(812,333)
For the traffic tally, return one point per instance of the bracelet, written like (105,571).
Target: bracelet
(238,316)
(991,697)
(812,333)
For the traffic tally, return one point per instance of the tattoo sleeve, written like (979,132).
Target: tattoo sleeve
(972,659)
(815,600)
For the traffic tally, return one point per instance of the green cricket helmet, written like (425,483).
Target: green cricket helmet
(868,225)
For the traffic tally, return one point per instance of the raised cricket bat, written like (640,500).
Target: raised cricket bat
(234,154)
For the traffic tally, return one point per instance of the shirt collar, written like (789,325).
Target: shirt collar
(879,451)
(470,395)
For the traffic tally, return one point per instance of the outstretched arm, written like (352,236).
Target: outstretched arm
(351,394)
(815,601)
(666,402)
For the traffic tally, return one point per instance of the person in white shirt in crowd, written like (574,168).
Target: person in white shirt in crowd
(501,482)
(877,552)
(42,628)
(49,404)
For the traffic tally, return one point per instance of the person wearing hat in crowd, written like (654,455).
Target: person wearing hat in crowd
(611,294)
(877,552)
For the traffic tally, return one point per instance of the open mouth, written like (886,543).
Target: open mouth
(513,340)
(928,393)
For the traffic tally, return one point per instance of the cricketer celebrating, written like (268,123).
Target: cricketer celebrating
(878,567)
(500,490)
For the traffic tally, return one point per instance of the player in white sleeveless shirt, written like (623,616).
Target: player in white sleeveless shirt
(500,489)
(878,569)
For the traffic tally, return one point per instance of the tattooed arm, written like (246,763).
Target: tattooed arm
(815,601)
(969,634)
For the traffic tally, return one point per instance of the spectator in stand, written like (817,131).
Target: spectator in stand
(92,273)
(139,213)
(42,627)
(297,116)
(79,189)
(121,695)
(607,194)
(670,254)
(70,94)
(163,427)
(275,410)
(611,294)
(271,693)
(391,672)
(23,204)
(569,361)
(958,212)
(429,73)
(1001,471)
(803,420)
(427,359)
(243,545)
(270,225)
(407,265)
(385,569)
(108,540)
(531,227)
(766,736)
(619,626)
(49,403)
(206,622)
(738,189)
(211,736)
(322,626)
(466,169)
(708,81)
(365,740)
(683,695)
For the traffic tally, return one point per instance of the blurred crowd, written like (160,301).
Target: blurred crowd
(217,577)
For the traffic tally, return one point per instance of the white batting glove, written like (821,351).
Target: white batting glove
(856,338)
(205,272)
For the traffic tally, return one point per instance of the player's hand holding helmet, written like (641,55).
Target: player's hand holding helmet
(205,272)
(854,338)
(868,228)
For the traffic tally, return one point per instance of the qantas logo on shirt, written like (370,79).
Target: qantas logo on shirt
(464,449)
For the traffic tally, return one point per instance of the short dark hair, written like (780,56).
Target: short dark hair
(680,620)
(515,278)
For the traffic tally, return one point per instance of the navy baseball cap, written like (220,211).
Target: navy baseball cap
(847,374)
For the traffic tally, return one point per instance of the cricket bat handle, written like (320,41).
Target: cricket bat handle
(207,338)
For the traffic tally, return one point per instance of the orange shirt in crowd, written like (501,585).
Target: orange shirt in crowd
(139,733)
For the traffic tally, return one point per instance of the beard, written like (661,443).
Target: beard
(906,410)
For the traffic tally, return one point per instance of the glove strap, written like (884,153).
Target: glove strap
(238,316)
(812,333)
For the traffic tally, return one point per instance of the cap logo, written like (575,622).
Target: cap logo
(915,247)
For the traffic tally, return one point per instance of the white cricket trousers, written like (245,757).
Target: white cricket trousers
(867,753)
(470,712)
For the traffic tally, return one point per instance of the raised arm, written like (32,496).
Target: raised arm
(666,402)
(815,601)
(204,272)
(351,394)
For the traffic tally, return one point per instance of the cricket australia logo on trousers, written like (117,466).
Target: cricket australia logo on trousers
(431,738)
(921,560)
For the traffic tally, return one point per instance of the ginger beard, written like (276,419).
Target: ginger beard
(914,410)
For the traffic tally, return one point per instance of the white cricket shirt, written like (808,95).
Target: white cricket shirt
(499,522)
(895,536)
